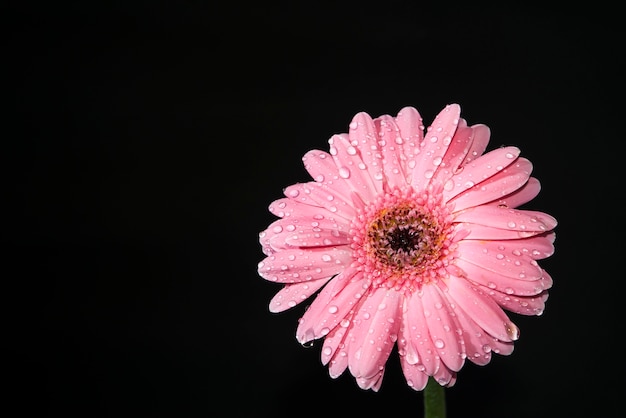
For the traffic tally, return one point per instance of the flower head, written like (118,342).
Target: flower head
(410,239)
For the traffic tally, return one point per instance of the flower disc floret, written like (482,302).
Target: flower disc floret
(403,239)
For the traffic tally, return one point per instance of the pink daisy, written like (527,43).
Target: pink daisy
(410,239)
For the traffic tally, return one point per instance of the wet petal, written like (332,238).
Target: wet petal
(414,374)
(443,328)
(285,207)
(523,305)
(482,310)
(390,142)
(333,304)
(501,283)
(299,231)
(506,218)
(419,347)
(363,137)
(477,341)
(322,168)
(298,265)
(482,232)
(374,333)
(438,139)
(480,140)
(292,294)
(479,170)
(496,187)
(334,348)
(411,128)
(525,194)
(316,195)
(372,382)
(456,153)
(492,256)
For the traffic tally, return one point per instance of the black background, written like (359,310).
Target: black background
(143,142)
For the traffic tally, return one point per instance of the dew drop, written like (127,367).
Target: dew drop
(333,309)
(439,343)
(344,172)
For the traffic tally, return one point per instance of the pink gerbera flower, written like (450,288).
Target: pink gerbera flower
(414,241)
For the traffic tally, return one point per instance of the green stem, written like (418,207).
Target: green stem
(434,400)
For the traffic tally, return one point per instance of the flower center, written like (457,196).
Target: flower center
(403,239)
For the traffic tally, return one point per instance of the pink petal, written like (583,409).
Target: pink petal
(285,207)
(525,221)
(479,170)
(411,128)
(363,138)
(503,348)
(374,333)
(373,382)
(315,194)
(299,265)
(419,347)
(537,247)
(456,153)
(523,305)
(443,328)
(296,231)
(480,140)
(492,256)
(482,232)
(390,141)
(525,194)
(501,283)
(445,377)
(477,341)
(482,310)
(435,144)
(292,294)
(351,168)
(277,234)
(339,361)
(322,168)
(334,348)
(414,374)
(331,306)
(499,185)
